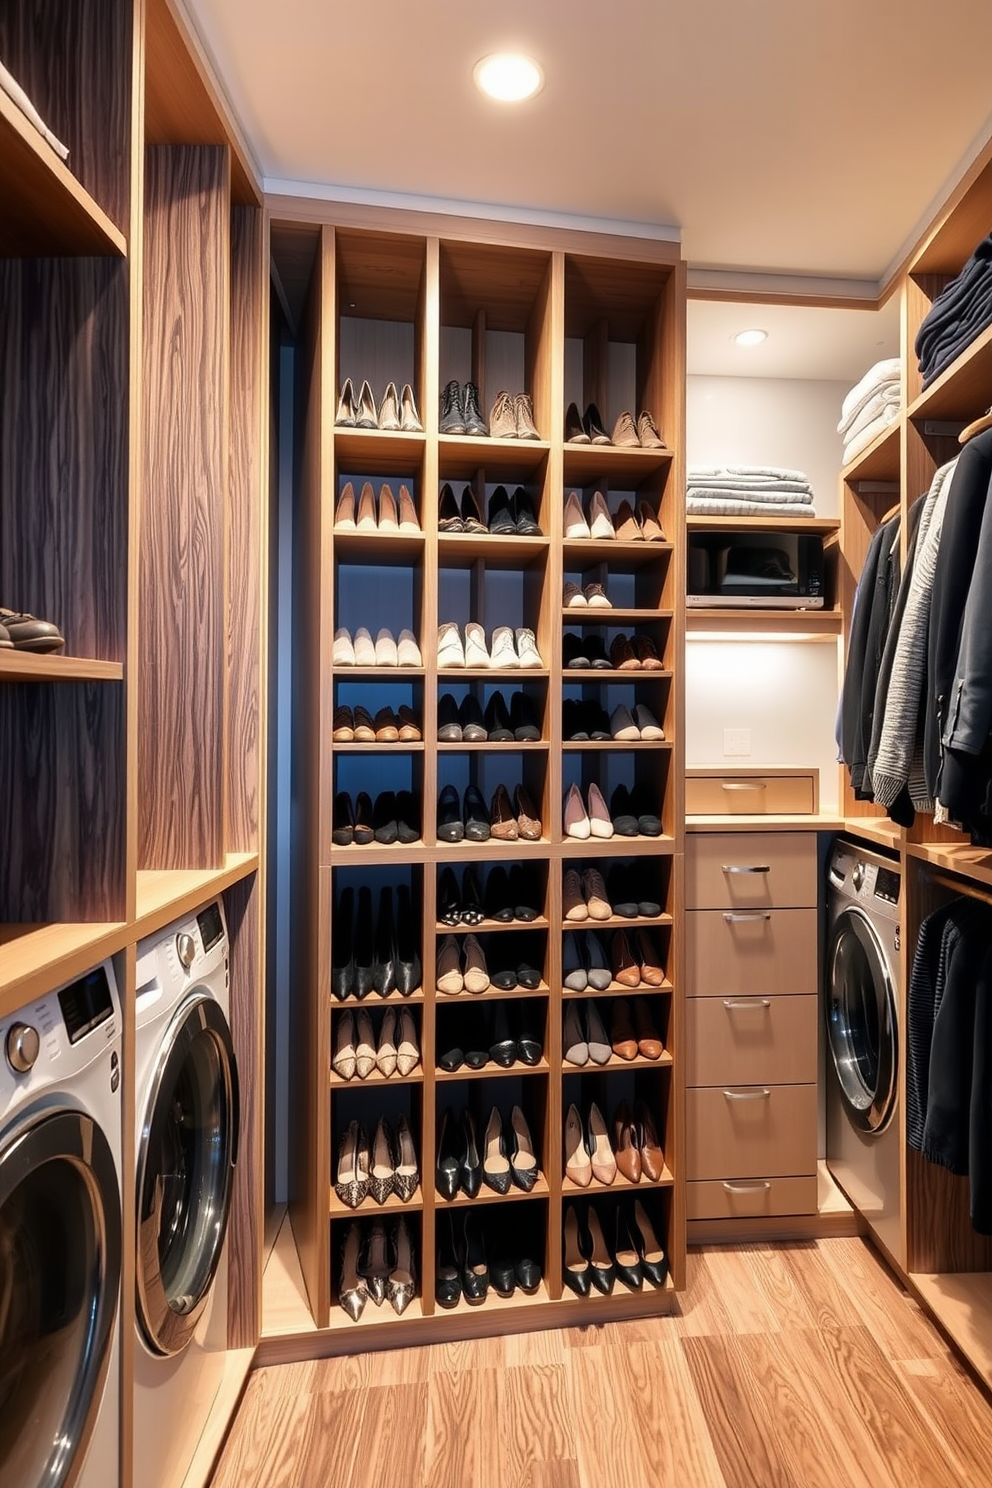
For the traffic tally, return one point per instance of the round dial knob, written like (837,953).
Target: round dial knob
(186,950)
(858,876)
(23,1047)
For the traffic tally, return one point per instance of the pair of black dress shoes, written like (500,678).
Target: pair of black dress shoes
(509,516)
(635,1256)
(508,896)
(499,1161)
(465,722)
(379,955)
(475,1037)
(470,1262)
(394,817)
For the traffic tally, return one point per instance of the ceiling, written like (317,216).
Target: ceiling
(808,138)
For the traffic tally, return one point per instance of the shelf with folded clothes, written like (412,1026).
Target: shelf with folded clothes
(961,392)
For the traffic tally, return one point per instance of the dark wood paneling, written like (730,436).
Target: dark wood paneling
(62,801)
(242,905)
(246,475)
(183,611)
(74,62)
(63,448)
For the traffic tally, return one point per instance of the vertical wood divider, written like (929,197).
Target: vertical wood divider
(479,359)
(428,1057)
(244,908)
(431,338)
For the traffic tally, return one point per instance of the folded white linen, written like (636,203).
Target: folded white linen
(14,90)
(700,474)
(759,488)
(871,431)
(758,498)
(873,408)
(886,371)
(713,506)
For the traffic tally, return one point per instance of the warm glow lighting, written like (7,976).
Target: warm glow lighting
(508,76)
(751,338)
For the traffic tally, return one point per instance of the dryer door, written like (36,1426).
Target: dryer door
(60,1278)
(862,1022)
(186,1154)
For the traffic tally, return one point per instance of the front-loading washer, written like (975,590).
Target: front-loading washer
(861,997)
(187,1116)
(60,1237)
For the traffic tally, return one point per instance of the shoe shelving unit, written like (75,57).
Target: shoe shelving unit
(946,1264)
(560,316)
(133,431)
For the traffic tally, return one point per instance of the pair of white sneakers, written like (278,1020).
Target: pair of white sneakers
(510,648)
(384,651)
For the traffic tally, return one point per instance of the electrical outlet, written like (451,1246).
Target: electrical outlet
(737,741)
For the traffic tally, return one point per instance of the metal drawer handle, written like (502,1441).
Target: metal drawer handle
(738,919)
(733,1003)
(748,785)
(746,1188)
(745,868)
(739,1095)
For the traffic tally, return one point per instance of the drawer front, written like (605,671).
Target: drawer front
(747,870)
(752,1040)
(751,1198)
(756,1131)
(751,953)
(750,795)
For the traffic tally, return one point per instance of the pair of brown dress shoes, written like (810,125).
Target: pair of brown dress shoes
(359,727)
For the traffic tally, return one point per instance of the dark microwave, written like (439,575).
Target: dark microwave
(755,570)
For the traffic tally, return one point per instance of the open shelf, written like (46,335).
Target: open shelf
(974,863)
(823,526)
(617,989)
(23,666)
(388,453)
(375,999)
(36,958)
(490,1196)
(620,1183)
(878,461)
(584,464)
(369,1207)
(597,615)
(466,547)
(614,1062)
(797,624)
(492,994)
(512,458)
(167,894)
(490,927)
(379,547)
(583,552)
(962,389)
(338,1082)
(615,746)
(44,211)
(492,1070)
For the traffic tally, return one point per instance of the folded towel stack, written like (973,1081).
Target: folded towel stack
(14,91)
(870,407)
(748,491)
(961,311)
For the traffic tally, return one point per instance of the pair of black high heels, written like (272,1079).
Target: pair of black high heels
(469,1262)
(476,1036)
(467,723)
(637,1255)
(500,1162)
(508,896)
(374,956)
(394,817)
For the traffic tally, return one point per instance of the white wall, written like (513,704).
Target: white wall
(783,693)
(768,421)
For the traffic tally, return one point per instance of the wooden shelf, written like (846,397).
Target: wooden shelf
(492,994)
(378,452)
(378,674)
(392,549)
(962,390)
(369,1207)
(23,666)
(596,615)
(394,747)
(619,922)
(878,461)
(585,464)
(615,746)
(493,927)
(487,746)
(338,1082)
(608,674)
(508,459)
(168,894)
(771,821)
(881,831)
(620,1183)
(584,552)
(36,958)
(824,526)
(460,549)
(492,1070)
(974,863)
(617,989)
(44,211)
(491,674)
(490,1196)
(599,847)
(817,625)
(615,1063)
(375,1000)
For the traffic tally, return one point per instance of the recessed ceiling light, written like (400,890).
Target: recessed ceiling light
(750,338)
(508,76)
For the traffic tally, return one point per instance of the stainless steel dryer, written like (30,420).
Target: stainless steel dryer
(861,996)
(60,1237)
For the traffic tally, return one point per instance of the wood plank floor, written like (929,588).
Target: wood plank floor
(800,1366)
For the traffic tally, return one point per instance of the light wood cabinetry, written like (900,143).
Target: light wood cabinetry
(752,969)
(133,433)
(401,297)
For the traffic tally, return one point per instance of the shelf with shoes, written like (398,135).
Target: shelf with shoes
(377,1268)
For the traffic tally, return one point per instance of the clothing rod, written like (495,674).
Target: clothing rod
(944,881)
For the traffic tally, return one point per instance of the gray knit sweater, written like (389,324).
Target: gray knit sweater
(897,760)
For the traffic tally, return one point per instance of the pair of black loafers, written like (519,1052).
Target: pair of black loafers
(467,722)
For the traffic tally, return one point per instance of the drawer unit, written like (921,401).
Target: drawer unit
(752,1040)
(751,953)
(750,1198)
(720,794)
(750,870)
(751,1131)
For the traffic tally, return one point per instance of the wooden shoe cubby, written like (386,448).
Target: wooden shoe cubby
(559,316)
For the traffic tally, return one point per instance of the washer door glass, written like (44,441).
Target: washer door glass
(861,1022)
(60,1275)
(186,1157)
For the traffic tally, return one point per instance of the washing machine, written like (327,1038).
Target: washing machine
(861,994)
(187,1115)
(60,1237)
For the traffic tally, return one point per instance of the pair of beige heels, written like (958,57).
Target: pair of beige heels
(358,1052)
(387,514)
(602,526)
